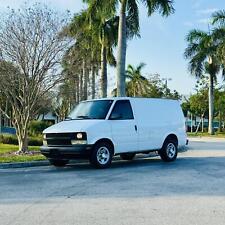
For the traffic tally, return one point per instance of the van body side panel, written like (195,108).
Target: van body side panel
(157,119)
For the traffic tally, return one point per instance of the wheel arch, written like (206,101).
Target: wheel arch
(106,140)
(171,136)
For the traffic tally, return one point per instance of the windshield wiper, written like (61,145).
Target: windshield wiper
(83,117)
(68,118)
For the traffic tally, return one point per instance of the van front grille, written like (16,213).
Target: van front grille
(60,139)
(61,135)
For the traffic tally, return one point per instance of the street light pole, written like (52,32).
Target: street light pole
(166,79)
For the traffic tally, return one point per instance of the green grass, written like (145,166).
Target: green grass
(6,154)
(21,158)
(6,148)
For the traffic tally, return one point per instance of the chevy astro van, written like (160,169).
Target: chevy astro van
(100,129)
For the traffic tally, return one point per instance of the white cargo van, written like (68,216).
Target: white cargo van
(99,129)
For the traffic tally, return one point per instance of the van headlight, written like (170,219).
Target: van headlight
(79,136)
(78,142)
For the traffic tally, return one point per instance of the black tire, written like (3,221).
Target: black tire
(101,156)
(127,156)
(168,153)
(58,162)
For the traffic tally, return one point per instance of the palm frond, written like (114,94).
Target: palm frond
(196,36)
(219,18)
(133,28)
(196,64)
(104,7)
(165,7)
(110,57)
(141,66)
(191,50)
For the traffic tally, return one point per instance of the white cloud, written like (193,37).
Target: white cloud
(206,11)
(204,21)
(197,3)
(188,24)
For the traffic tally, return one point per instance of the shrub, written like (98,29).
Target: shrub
(8,139)
(35,141)
(37,127)
(12,140)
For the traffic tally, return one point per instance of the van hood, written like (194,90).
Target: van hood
(69,126)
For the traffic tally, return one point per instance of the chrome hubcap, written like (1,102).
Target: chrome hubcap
(171,150)
(103,155)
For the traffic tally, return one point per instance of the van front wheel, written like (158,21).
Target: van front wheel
(101,156)
(168,153)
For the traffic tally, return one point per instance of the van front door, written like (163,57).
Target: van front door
(123,127)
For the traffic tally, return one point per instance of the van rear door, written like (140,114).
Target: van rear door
(123,127)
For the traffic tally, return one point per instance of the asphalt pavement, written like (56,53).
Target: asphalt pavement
(188,191)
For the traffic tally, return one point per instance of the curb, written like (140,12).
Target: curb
(206,139)
(24,164)
(46,162)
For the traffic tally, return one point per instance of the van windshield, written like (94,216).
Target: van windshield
(91,110)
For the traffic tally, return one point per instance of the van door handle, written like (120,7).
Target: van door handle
(135,126)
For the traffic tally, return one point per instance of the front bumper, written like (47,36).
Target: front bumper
(67,152)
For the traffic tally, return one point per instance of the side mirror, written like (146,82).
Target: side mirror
(115,116)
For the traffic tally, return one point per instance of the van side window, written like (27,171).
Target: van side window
(122,111)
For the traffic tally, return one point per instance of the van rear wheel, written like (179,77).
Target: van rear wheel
(127,156)
(168,153)
(101,156)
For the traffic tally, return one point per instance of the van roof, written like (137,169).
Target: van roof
(129,98)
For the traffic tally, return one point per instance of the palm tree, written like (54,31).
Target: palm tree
(218,20)
(138,85)
(128,17)
(131,8)
(103,32)
(202,53)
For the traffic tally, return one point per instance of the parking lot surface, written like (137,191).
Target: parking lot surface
(188,191)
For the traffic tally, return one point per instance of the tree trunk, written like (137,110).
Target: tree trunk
(134,90)
(211,105)
(81,85)
(85,76)
(203,123)
(23,144)
(0,122)
(103,72)
(77,90)
(93,82)
(21,127)
(220,121)
(122,47)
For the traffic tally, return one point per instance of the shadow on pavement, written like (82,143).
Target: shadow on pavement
(148,177)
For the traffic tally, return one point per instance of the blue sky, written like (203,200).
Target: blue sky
(162,41)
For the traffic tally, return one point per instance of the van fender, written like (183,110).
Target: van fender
(96,140)
(171,135)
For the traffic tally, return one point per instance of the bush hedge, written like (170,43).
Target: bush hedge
(37,127)
(12,139)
